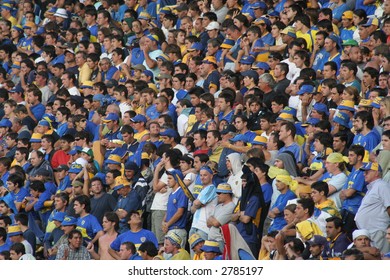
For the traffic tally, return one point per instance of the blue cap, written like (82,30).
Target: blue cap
(342,119)
(196,46)
(250,73)
(169,133)
(306,89)
(75,168)
(139,118)
(111,117)
(75,150)
(9,200)
(119,151)
(263,65)
(98,97)
(69,221)
(259,5)
(176,174)
(101,176)
(239,137)
(273,13)
(59,216)
(336,39)
(44,123)
(148,73)
(371,166)
(311,121)
(321,108)
(131,166)
(289,110)
(5,123)
(247,59)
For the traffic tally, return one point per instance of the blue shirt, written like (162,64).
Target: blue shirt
(137,238)
(88,226)
(355,181)
(251,210)
(38,111)
(369,141)
(267,192)
(281,202)
(177,200)
(321,57)
(295,149)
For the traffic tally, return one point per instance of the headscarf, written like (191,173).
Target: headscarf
(289,163)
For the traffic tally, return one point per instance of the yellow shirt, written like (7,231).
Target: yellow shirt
(84,73)
(138,136)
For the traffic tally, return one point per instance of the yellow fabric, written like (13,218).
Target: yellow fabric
(191,121)
(216,154)
(199,257)
(329,207)
(84,73)
(285,179)
(307,229)
(98,155)
(138,136)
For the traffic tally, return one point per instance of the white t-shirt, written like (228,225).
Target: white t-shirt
(160,200)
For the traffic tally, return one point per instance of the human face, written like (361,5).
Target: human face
(316,195)
(239,124)
(78,209)
(205,177)
(211,141)
(14,256)
(280,186)
(338,145)
(358,125)
(76,240)
(168,247)
(316,250)
(386,142)
(370,176)
(96,187)
(107,225)
(34,159)
(362,241)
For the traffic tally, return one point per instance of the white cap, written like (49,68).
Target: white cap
(212,25)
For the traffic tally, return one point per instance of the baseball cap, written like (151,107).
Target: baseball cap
(18,88)
(247,59)
(318,240)
(139,67)
(145,16)
(61,167)
(5,123)
(239,137)
(261,65)
(120,151)
(169,133)
(87,151)
(148,73)
(285,117)
(289,110)
(111,117)
(347,15)
(197,46)
(227,44)
(259,5)
(209,60)
(177,174)
(163,76)
(350,42)
(371,21)
(131,166)
(306,89)
(229,128)
(69,221)
(311,121)
(87,84)
(163,56)
(113,159)
(250,73)
(212,25)
(98,97)
(374,166)
(321,108)
(75,150)
(75,168)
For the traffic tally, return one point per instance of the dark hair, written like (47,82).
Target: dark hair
(307,203)
(149,248)
(112,217)
(37,186)
(83,199)
(321,186)
(358,150)
(338,223)
(365,117)
(18,248)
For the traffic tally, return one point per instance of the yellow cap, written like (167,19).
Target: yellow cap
(347,15)
(365,103)
(335,158)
